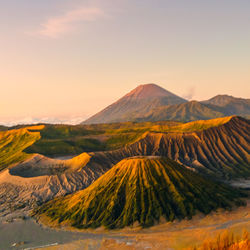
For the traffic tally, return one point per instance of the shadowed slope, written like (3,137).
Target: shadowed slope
(218,147)
(230,105)
(216,107)
(223,150)
(140,190)
(137,103)
(189,111)
(223,100)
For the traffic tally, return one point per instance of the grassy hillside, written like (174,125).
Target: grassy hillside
(71,140)
(140,191)
(199,125)
(216,147)
(13,142)
(219,146)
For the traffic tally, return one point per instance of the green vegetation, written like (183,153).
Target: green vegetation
(13,142)
(55,140)
(140,191)
(72,140)
(72,146)
(200,125)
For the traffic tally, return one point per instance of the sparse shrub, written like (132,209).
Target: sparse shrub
(226,241)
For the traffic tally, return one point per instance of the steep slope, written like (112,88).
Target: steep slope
(219,147)
(13,142)
(138,102)
(39,179)
(230,105)
(150,102)
(222,149)
(189,111)
(140,190)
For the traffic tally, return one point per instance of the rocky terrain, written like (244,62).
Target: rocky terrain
(219,148)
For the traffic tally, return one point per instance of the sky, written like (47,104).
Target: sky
(64,60)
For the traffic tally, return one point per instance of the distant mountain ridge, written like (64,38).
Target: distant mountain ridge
(229,105)
(150,102)
(189,111)
(136,103)
(222,100)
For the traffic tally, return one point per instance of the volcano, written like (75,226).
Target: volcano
(140,191)
(136,103)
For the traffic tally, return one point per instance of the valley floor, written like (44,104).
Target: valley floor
(177,235)
(27,234)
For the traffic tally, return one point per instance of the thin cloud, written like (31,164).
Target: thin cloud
(57,26)
(190,93)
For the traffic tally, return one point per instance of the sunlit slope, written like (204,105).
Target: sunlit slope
(140,190)
(223,150)
(72,140)
(219,146)
(39,165)
(200,125)
(13,142)
(39,179)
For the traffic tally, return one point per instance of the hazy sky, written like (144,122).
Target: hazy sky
(71,58)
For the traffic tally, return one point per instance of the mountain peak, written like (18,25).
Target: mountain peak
(222,100)
(137,103)
(150,90)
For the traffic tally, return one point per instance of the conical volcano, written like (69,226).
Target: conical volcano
(148,91)
(136,103)
(139,191)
